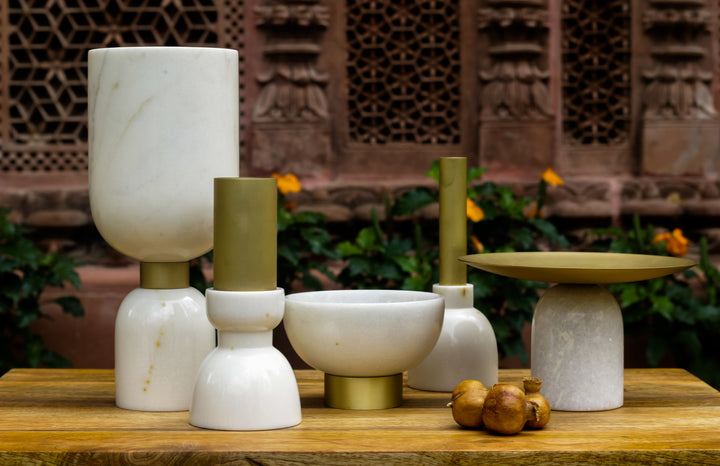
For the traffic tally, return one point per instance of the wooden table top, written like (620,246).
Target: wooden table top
(69,416)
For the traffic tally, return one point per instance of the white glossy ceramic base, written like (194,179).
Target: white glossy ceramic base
(245,383)
(577,348)
(466,349)
(161,338)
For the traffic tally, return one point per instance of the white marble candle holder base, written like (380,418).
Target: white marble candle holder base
(577,348)
(466,349)
(245,383)
(161,338)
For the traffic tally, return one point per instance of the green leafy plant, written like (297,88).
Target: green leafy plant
(304,247)
(25,272)
(384,256)
(678,313)
(389,257)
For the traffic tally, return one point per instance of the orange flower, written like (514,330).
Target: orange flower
(476,242)
(551,177)
(287,183)
(675,242)
(474,212)
(535,213)
(290,206)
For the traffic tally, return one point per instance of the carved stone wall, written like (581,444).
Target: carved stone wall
(516,128)
(358,97)
(403,67)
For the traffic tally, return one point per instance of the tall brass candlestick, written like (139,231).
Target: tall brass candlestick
(245,255)
(466,348)
(453,220)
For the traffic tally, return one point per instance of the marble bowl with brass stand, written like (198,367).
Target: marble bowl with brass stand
(363,340)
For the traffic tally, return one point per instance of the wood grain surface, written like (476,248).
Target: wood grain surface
(68,416)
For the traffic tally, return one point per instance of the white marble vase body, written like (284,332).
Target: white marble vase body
(577,348)
(163,123)
(466,348)
(161,338)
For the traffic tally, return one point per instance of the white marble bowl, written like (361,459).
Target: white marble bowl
(363,333)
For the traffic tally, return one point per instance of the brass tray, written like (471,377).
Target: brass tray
(577,267)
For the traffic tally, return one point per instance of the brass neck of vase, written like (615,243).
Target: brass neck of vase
(164,275)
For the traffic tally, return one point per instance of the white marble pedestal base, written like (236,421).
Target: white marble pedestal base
(466,348)
(245,383)
(577,348)
(161,338)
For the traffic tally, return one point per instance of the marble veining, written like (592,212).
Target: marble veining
(164,122)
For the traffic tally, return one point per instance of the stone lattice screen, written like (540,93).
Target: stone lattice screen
(596,72)
(404,72)
(43,65)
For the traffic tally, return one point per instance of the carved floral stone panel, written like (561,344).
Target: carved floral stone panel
(515,86)
(680,127)
(292,87)
(516,128)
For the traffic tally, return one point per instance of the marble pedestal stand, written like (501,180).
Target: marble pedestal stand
(577,334)
(577,348)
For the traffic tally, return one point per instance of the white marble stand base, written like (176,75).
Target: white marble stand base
(161,338)
(577,348)
(245,383)
(466,348)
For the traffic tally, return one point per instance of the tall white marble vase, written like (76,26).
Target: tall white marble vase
(163,123)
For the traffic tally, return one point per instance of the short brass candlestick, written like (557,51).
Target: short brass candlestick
(245,383)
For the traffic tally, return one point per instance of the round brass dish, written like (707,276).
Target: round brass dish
(363,392)
(577,267)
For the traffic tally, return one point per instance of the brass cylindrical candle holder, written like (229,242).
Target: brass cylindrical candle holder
(245,256)
(453,220)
